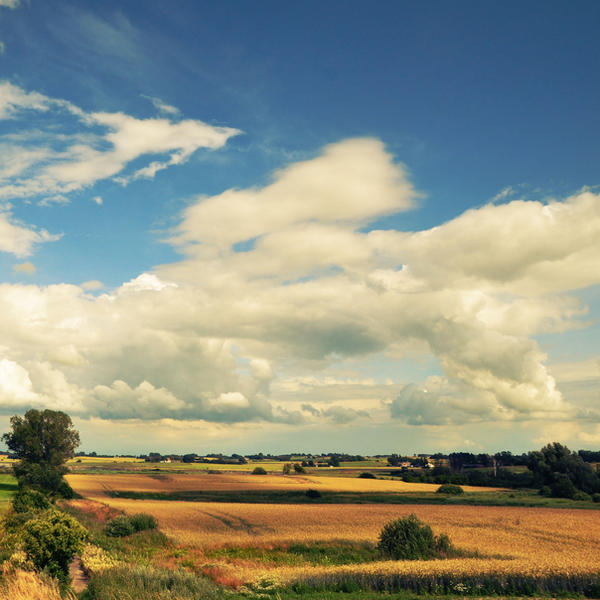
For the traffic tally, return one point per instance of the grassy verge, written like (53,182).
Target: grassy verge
(8,486)
(516,498)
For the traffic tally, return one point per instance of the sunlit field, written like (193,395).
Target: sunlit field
(97,486)
(505,541)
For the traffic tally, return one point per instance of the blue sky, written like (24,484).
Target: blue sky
(304,224)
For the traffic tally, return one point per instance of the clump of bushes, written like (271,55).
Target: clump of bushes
(311,493)
(124,525)
(259,471)
(450,488)
(299,468)
(50,541)
(596,497)
(582,496)
(367,475)
(27,499)
(410,539)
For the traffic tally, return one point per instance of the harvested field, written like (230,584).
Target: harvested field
(98,485)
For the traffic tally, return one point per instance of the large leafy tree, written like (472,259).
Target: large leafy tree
(42,441)
(563,471)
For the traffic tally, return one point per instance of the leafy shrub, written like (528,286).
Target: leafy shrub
(259,471)
(545,491)
(123,525)
(142,522)
(287,469)
(596,497)
(51,540)
(582,496)
(65,490)
(310,493)
(145,583)
(120,526)
(299,468)
(367,475)
(410,539)
(450,488)
(26,500)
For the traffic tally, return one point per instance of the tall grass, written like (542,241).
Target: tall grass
(24,585)
(145,583)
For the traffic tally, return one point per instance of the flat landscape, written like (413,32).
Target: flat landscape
(332,546)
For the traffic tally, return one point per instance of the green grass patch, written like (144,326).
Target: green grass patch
(512,498)
(319,553)
(8,487)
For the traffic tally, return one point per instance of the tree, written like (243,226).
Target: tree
(42,441)
(563,471)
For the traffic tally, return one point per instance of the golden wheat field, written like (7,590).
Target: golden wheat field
(94,486)
(527,541)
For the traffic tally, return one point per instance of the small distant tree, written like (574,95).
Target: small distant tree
(259,471)
(299,468)
(43,441)
(287,469)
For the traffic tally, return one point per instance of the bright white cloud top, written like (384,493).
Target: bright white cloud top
(266,244)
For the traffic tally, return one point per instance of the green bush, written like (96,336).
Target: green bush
(582,496)
(299,468)
(310,493)
(596,497)
(142,522)
(145,583)
(545,491)
(367,475)
(65,490)
(450,488)
(259,471)
(410,539)
(51,540)
(120,526)
(26,500)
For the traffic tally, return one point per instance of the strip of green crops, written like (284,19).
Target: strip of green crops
(299,497)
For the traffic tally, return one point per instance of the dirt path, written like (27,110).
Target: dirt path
(79,580)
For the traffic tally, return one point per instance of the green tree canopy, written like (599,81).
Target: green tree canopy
(563,471)
(42,441)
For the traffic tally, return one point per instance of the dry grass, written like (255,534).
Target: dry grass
(23,585)
(95,486)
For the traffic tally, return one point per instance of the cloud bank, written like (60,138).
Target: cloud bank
(289,279)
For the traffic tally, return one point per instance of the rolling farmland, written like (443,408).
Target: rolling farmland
(500,544)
